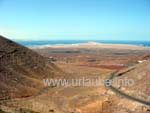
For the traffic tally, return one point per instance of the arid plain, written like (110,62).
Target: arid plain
(88,60)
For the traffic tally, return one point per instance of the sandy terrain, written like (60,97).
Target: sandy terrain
(94,45)
(89,60)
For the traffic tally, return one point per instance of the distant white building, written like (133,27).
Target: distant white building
(141,61)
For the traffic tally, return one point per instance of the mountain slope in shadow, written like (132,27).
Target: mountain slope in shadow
(21,70)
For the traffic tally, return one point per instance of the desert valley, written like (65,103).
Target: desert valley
(23,69)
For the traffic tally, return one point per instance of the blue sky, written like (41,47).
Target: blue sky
(75,19)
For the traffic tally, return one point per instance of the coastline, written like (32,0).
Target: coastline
(94,45)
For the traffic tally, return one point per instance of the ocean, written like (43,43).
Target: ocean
(46,42)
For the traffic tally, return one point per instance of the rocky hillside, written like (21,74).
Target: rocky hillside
(139,91)
(140,77)
(21,70)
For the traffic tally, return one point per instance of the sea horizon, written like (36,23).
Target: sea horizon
(53,42)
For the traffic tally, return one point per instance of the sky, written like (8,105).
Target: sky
(75,19)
